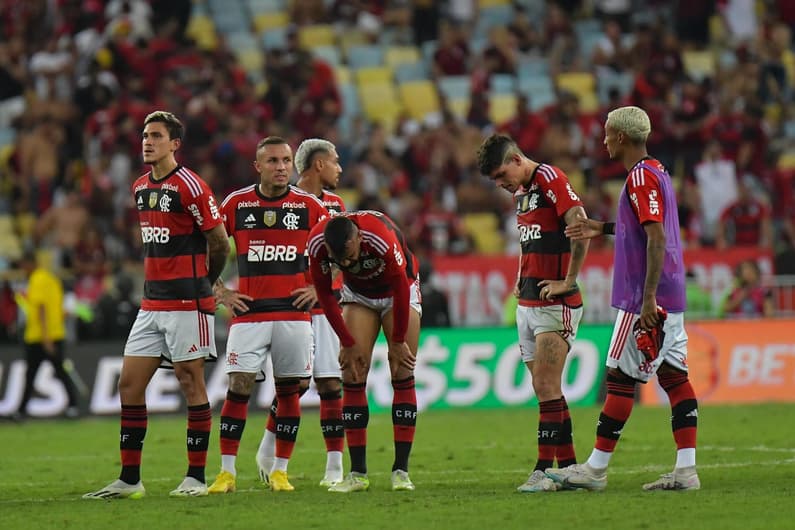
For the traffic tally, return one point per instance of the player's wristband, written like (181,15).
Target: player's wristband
(609,228)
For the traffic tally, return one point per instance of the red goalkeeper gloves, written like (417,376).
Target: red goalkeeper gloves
(650,341)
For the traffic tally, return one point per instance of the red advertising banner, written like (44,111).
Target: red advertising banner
(477,286)
(740,361)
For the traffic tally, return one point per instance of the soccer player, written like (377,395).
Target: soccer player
(380,290)
(318,164)
(185,250)
(649,292)
(270,223)
(550,303)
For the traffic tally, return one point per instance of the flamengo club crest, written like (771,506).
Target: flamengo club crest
(269,218)
(152,199)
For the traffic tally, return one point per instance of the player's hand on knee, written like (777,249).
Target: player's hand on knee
(400,352)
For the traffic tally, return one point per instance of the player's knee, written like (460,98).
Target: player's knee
(614,375)
(188,382)
(546,386)
(130,389)
(241,383)
(328,385)
(303,385)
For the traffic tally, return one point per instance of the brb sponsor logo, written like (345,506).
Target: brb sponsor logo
(272,252)
(155,234)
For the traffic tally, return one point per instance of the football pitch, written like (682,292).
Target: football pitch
(466,465)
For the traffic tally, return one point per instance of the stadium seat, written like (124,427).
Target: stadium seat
(502,107)
(351,38)
(787,160)
(491,3)
(275,38)
(265,6)
(373,74)
(529,67)
(429,49)
(396,55)
(361,56)
(582,85)
(419,98)
(202,30)
(350,196)
(405,72)
(240,41)
(252,62)
(499,15)
(455,86)
(459,107)
(329,54)
(317,35)
(484,230)
(609,79)
(7,136)
(698,64)
(380,102)
(540,91)
(342,74)
(502,84)
(270,20)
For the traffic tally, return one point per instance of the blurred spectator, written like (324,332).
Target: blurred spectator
(748,297)
(307,12)
(617,11)
(610,52)
(51,69)
(691,20)
(745,222)
(62,226)
(716,180)
(13,76)
(116,308)
(526,127)
(41,163)
(699,300)
(45,329)
(435,307)
(452,54)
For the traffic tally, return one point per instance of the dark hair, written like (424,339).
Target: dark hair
(493,152)
(337,233)
(175,129)
(270,140)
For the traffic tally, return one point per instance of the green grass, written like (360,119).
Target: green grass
(466,465)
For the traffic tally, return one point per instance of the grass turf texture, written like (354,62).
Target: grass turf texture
(466,465)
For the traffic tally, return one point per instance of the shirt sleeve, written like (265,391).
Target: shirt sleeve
(204,209)
(321,278)
(396,273)
(558,190)
(646,196)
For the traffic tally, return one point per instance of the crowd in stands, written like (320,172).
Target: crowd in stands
(406,89)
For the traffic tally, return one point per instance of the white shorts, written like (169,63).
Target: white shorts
(624,354)
(531,321)
(174,336)
(288,342)
(382,305)
(326,358)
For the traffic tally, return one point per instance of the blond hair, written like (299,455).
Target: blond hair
(632,121)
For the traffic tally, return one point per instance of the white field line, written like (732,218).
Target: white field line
(429,477)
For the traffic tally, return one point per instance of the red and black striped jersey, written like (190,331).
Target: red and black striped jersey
(334,205)
(385,268)
(332,202)
(270,236)
(173,212)
(546,252)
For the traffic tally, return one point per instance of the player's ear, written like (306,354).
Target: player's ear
(176,143)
